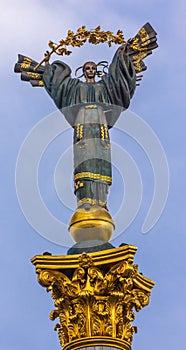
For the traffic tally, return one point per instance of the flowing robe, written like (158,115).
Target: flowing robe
(91,109)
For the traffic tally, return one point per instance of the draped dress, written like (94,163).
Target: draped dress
(92,109)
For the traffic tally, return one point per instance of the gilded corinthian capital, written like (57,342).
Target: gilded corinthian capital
(95,296)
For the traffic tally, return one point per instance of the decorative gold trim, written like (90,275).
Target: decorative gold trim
(105,257)
(91,201)
(140,45)
(25,66)
(97,341)
(137,59)
(106,131)
(34,75)
(102,133)
(144,35)
(79,131)
(27,59)
(41,83)
(78,185)
(26,63)
(86,174)
(91,106)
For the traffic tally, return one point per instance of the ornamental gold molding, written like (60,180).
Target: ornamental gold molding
(93,302)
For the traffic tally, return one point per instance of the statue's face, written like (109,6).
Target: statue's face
(90,70)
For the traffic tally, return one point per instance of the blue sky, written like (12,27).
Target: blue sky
(26,27)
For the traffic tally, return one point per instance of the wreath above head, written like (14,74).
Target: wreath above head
(93,36)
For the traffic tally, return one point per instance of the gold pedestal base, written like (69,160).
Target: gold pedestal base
(95,296)
(94,223)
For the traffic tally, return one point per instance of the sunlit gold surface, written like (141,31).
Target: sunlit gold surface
(95,305)
(93,224)
(93,176)
(69,262)
(97,341)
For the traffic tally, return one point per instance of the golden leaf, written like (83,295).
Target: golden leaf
(97,29)
(119,32)
(67,42)
(92,38)
(61,51)
(70,33)
(86,34)
(109,34)
(51,44)
(81,30)
(62,42)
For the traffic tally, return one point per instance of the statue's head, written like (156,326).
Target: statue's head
(89,71)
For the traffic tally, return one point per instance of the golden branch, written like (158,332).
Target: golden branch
(78,39)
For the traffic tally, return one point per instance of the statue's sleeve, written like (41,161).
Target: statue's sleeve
(57,82)
(121,79)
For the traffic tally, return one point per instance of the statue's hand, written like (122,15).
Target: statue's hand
(127,48)
(47,57)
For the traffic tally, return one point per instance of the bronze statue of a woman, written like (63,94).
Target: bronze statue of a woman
(91,108)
